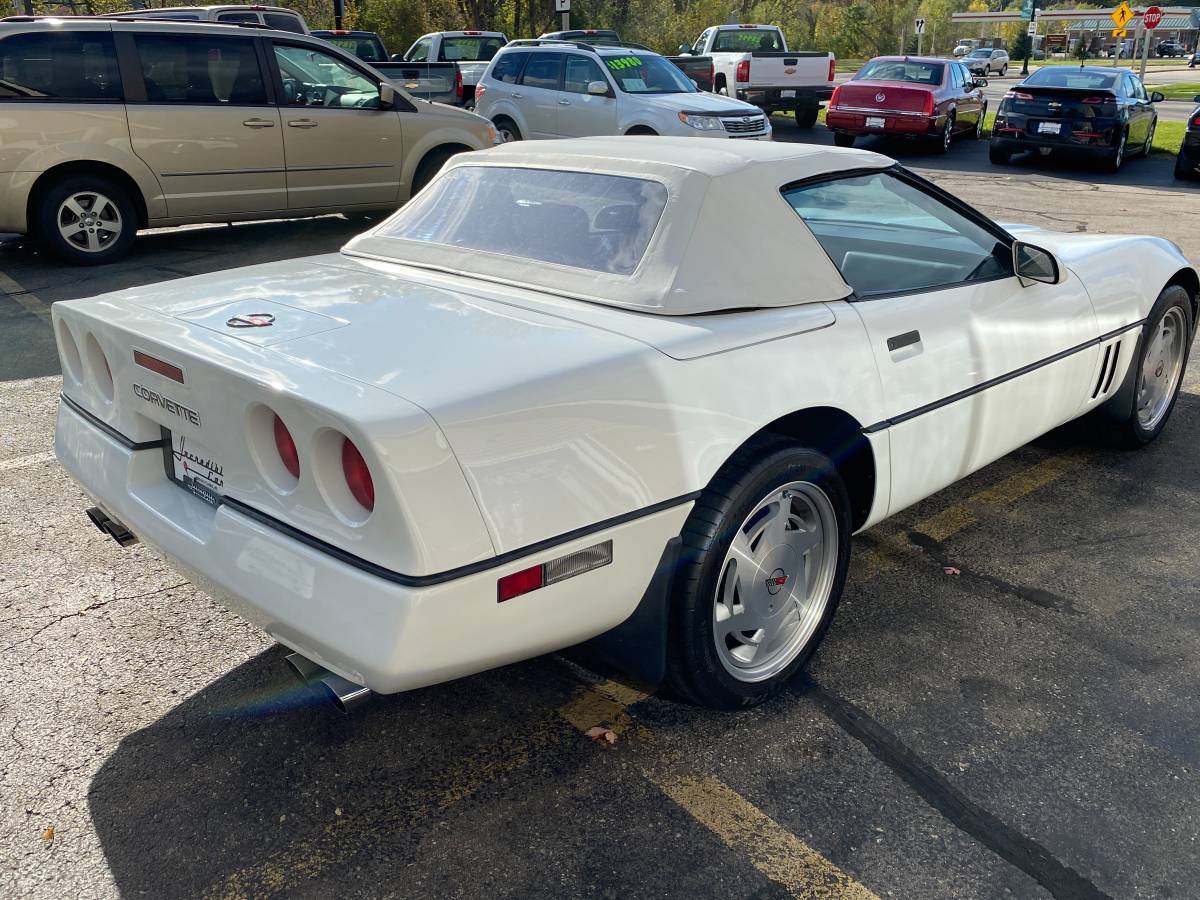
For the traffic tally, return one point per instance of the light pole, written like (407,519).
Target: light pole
(1029,37)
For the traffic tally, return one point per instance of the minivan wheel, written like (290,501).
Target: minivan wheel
(766,550)
(86,220)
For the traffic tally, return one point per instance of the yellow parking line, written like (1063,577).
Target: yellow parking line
(777,853)
(772,849)
(954,519)
(28,300)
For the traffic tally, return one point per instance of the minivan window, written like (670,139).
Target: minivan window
(313,78)
(181,68)
(283,22)
(80,65)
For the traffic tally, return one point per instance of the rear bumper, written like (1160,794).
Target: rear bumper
(910,124)
(1019,132)
(1017,143)
(371,630)
(771,99)
(1189,153)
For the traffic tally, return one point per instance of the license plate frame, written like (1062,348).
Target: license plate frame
(876,122)
(1054,128)
(193,467)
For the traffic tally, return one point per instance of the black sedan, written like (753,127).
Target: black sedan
(1187,164)
(1101,112)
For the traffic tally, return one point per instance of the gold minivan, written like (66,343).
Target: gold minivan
(108,125)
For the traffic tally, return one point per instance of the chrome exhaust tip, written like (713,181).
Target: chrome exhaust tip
(343,693)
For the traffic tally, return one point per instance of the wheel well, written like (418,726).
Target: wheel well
(1187,279)
(442,152)
(719,81)
(641,129)
(79,167)
(839,436)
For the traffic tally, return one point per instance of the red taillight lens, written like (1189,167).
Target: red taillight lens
(1017,95)
(458,83)
(929,104)
(288,454)
(712,76)
(837,95)
(162,367)
(480,90)
(518,583)
(1196,121)
(1094,99)
(832,67)
(358,476)
(743,70)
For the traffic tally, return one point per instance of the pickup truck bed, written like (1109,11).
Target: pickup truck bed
(439,82)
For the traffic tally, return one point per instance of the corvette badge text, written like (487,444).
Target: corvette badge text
(171,406)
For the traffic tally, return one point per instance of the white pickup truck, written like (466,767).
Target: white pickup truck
(472,50)
(753,63)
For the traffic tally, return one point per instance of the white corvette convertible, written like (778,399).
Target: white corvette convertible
(641,391)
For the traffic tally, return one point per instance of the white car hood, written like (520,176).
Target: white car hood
(700,101)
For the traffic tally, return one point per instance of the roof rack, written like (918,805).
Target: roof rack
(157,19)
(549,42)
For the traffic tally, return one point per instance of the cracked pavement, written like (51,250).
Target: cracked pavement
(1025,728)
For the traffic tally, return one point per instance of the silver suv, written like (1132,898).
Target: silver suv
(108,125)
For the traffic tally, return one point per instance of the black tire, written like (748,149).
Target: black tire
(1113,162)
(1182,172)
(428,167)
(807,114)
(50,207)
(977,131)
(946,138)
(1117,421)
(841,139)
(508,129)
(694,671)
(1004,70)
(998,155)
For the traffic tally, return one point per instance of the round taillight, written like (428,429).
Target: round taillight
(358,476)
(288,454)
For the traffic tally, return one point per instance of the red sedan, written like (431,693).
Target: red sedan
(912,96)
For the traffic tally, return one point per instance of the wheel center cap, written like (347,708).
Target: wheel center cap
(776,581)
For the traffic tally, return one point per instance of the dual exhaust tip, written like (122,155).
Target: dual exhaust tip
(343,693)
(110,526)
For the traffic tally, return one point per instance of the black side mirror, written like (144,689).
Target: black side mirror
(1033,264)
(684,49)
(979,82)
(1157,97)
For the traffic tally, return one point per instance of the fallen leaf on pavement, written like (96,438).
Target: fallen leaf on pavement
(602,735)
(48,834)
(950,570)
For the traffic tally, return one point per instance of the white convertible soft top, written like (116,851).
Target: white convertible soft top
(726,239)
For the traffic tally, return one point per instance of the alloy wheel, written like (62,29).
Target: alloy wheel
(89,221)
(775,581)
(1162,368)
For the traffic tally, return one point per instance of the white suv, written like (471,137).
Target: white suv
(559,89)
(986,60)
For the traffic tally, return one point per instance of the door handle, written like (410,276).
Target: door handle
(301,123)
(900,341)
(259,123)
(564,102)
(518,96)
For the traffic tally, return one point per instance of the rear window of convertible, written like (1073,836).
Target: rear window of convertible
(580,219)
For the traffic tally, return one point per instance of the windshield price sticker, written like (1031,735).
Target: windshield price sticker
(623,62)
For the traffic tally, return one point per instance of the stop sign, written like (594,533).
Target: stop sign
(1152,17)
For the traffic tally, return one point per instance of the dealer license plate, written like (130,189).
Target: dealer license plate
(1049,127)
(876,121)
(195,468)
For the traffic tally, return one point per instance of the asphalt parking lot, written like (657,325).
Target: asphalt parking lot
(1025,727)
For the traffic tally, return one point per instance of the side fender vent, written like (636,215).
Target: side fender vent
(1112,369)
(1103,373)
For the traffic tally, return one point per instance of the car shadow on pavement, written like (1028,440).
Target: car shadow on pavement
(257,776)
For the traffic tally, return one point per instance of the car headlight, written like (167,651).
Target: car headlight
(702,123)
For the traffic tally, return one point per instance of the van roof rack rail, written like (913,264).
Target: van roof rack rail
(155,19)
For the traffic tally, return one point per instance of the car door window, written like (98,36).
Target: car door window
(419,52)
(579,71)
(508,67)
(180,68)
(886,235)
(698,47)
(1135,87)
(284,22)
(314,78)
(542,71)
(78,65)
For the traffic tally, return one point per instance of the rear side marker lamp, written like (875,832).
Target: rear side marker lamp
(166,369)
(554,571)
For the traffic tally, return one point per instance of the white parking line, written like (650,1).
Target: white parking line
(30,459)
